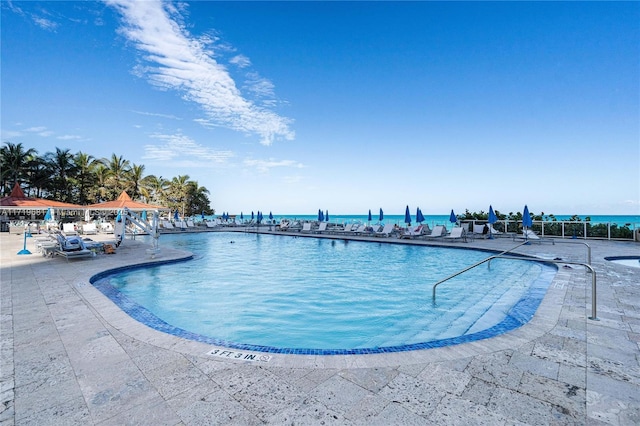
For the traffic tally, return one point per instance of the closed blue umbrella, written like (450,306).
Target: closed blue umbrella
(452,217)
(241,216)
(527,222)
(175,215)
(320,216)
(119,216)
(270,216)
(251,214)
(143,216)
(492,216)
(47,215)
(369,217)
(492,219)
(202,215)
(259,216)
(419,216)
(381,216)
(407,216)
(326,216)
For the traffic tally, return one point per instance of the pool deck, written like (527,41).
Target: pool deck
(70,356)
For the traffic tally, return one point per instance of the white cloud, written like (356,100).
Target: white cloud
(174,59)
(69,137)
(264,166)
(155,114)
(44,23)
(40,131)
(240,61)
(179,147)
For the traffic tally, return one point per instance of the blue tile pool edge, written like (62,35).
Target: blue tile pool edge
(521,313)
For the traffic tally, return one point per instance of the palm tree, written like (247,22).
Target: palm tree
(14,160)
(154,189)
(118,170)
(62,168)
(198,200)
(85,179)
(178,192)
(135,181)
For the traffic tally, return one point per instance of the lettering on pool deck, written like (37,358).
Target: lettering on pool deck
(240,356)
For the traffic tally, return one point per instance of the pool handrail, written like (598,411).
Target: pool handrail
(473,266)
(594,291)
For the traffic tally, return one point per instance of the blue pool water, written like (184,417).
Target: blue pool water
(306,295)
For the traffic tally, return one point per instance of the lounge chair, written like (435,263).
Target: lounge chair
(106,227)
(321,228)
(359,230)
(413,231)
(72,248)
(210,224)
(456,234)
(190,224)
(306,228)
(167,224)
(494,232)
(480,230)
(386,231)
(69,229)
(437,232)
(89,229)
(529,235)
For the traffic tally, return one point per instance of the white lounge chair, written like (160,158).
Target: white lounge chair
(437,232)
(456,234)
(306,228)
(106,228)
(321,228)
(386,231)
(89,229)
(413,231)
(480,230)
(529,235)
(69,229)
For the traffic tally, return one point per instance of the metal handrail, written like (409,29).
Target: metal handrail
(502,255)
(471,267)
(580,242)
(594,292)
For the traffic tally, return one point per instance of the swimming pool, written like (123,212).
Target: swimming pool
(304,295)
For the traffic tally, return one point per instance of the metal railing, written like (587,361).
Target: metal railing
(594,291)
(473,266)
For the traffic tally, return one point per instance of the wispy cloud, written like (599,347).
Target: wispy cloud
(44,23)
(180,147)
(264,166)
(175,59)
(155,114)
(69,137)
(40,131)
(240,61)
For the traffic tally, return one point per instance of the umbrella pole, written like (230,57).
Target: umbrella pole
(24,250)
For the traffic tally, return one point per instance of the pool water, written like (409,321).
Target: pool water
(271,292)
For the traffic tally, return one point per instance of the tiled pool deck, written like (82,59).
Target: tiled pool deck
(70,356)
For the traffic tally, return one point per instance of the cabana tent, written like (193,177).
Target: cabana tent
(17,204)
(124,201)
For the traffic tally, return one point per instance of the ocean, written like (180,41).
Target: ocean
(431,220)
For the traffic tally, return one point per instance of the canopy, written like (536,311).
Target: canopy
(17,201)
(124,201)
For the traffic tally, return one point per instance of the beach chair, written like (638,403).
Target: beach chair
(480,230)
(529,235)
(321,228)
(494,232)
(72,248)
(106,228)
(306,228)
(69,229)
(456,234)
(89,229)
(437,232)
(386,231)
(413,231)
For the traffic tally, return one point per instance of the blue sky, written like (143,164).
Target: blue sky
(347,106)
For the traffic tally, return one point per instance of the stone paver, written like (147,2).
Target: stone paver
(69,356)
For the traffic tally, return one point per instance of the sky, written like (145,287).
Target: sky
(292,107)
